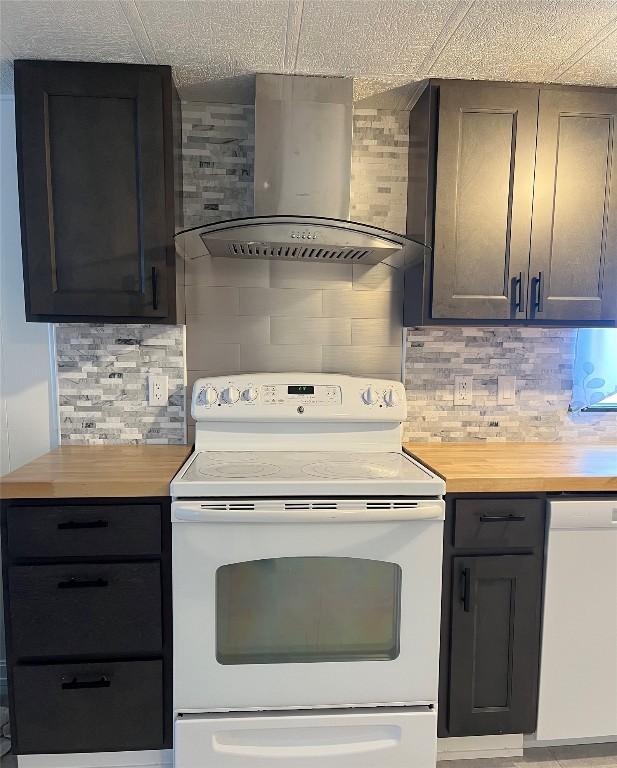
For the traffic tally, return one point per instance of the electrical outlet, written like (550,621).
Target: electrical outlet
(157,390)
(463,390)
(506,390)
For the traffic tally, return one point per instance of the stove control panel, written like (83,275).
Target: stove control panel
(300,394)
(290,396)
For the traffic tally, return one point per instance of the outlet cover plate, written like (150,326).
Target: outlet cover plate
(463,390)
(157,389)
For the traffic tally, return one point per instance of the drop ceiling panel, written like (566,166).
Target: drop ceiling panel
(369,38)
(89,30)
(227,36)
(597,67)
(523,40)
(216,46)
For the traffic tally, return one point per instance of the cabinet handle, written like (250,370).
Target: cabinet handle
(75,684)
(75,583)
(538,293)
(517,287)
(502,518)
(74,525)
(155,292)
(465,586)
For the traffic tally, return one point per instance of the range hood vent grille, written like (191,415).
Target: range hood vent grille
(295,252)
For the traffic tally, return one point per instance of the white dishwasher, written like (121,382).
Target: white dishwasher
(578,668)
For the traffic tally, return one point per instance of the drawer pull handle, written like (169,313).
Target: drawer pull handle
(75,684)
(155,289)
(75,583)
(465,586)
(502,518)
(75,525)
(517,284)
(538,293)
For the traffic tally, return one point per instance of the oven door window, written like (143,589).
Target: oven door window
(307,609)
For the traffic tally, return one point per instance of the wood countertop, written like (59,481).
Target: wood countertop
(526,467)
(83,471)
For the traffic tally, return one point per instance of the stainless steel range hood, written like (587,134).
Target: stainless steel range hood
(303,139)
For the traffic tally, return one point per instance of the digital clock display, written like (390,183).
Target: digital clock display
(300,389)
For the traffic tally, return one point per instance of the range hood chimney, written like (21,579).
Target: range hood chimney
(303,131)
(303,142)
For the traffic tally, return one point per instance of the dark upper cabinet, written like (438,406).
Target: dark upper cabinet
(96,183)
(573,264)
(487,138)
(510,185)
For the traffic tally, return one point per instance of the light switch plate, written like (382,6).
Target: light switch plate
(506,390)
(157,389)
(463,390)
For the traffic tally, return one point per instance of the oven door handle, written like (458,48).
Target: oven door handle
(314,742)
(195,512)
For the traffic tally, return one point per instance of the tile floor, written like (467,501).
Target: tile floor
(583,756)
(580,756)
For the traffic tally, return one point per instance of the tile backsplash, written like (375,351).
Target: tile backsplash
(259,315)
(103,388)
(541,360)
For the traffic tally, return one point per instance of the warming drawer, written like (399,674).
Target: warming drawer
(388,738)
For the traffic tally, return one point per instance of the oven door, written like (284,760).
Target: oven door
(303,605)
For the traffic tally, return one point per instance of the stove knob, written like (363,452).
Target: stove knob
(250,394)
(390,398)
(207,396)
(369,396)
(230,394)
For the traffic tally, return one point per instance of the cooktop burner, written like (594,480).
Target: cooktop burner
(301,466)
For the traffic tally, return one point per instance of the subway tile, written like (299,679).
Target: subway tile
(378,277)
(213,329)
(206,300)
(362,304)
(277,302)
(371,332)
(281,357)
(228,272)
(362,361)
(213,358)
(313,330)
(310,274)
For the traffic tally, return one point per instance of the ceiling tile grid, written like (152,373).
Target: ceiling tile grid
(216,46)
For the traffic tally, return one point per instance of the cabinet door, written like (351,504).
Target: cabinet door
(573,264)
(494,645)
(485,165)
(95,176)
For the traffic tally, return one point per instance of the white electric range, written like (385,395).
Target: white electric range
(306,578)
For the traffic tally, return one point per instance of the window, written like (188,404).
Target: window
(594,385)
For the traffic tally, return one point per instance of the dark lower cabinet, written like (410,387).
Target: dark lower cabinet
(94,707)
(494,647)
(96,190)
(491,615)
(87,610)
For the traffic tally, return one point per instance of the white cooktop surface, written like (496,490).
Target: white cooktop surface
(242,473)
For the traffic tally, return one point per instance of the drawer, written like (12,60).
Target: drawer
(88,707)
(84,530)
(498,523)
(85,609)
